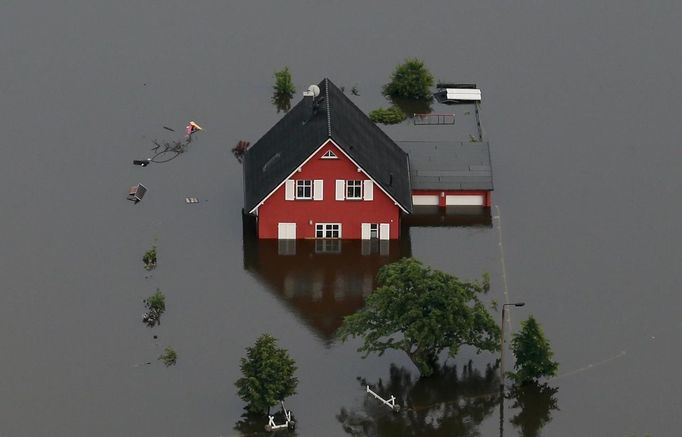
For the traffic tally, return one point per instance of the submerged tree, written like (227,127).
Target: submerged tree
(422,312)
(169,357)
(410,80)
(268,375)
(284,90)
(533,353)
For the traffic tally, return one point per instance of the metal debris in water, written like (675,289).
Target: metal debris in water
(390,403)
(136,193)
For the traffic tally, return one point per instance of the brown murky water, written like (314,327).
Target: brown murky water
(581,105)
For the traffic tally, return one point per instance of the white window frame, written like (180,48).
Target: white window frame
(354,185)
(327,230)
(303,184)
(329,154)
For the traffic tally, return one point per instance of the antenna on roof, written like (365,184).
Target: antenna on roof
(313,91)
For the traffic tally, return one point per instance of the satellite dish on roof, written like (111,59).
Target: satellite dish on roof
(314,90)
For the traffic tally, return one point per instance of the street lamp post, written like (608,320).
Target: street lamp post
(517,304)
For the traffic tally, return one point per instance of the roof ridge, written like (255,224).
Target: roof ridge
(329,115)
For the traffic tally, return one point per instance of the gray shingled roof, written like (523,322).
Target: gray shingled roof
(449,165)
(302,130)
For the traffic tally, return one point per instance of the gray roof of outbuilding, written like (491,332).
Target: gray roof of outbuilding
(449,165)
(302,131)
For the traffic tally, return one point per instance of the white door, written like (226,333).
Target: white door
(286,231)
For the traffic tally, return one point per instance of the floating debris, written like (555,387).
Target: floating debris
(240,149)
(169,128)
(151,318)
(191,128)
(142,162)
(136,193)
(191,200)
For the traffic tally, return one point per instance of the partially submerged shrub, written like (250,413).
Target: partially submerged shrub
(390,115)
(156,306)
(410,80)
(169,356)
(149,258)
(284,85)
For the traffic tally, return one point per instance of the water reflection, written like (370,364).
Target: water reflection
(411,107)
(451,402)
(281,101)
(254,425)
(451,216)
(536,401)
(322,281)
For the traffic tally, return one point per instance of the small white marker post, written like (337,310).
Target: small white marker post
(390,403)
(272,426)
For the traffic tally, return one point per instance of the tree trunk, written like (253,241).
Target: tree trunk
(425,361)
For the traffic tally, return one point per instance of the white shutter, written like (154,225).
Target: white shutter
(340,188)
(289,190)
(317,189)
(368,191)
(365,231)
(384,231)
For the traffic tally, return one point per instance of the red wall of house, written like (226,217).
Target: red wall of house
(350,213)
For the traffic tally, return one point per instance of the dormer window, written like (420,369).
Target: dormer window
(329,155)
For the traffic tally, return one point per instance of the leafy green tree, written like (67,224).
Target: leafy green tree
(268,375)
(410,80)
(533,353)
(169,356)
(422,312)
(391,115)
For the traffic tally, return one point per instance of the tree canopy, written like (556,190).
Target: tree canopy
(410,80)
(533,353)
(268,375)
(422,312)
(284,90)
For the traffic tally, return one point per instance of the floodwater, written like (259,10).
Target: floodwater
(582,105)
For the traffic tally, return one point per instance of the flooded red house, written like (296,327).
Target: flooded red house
(326,171)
